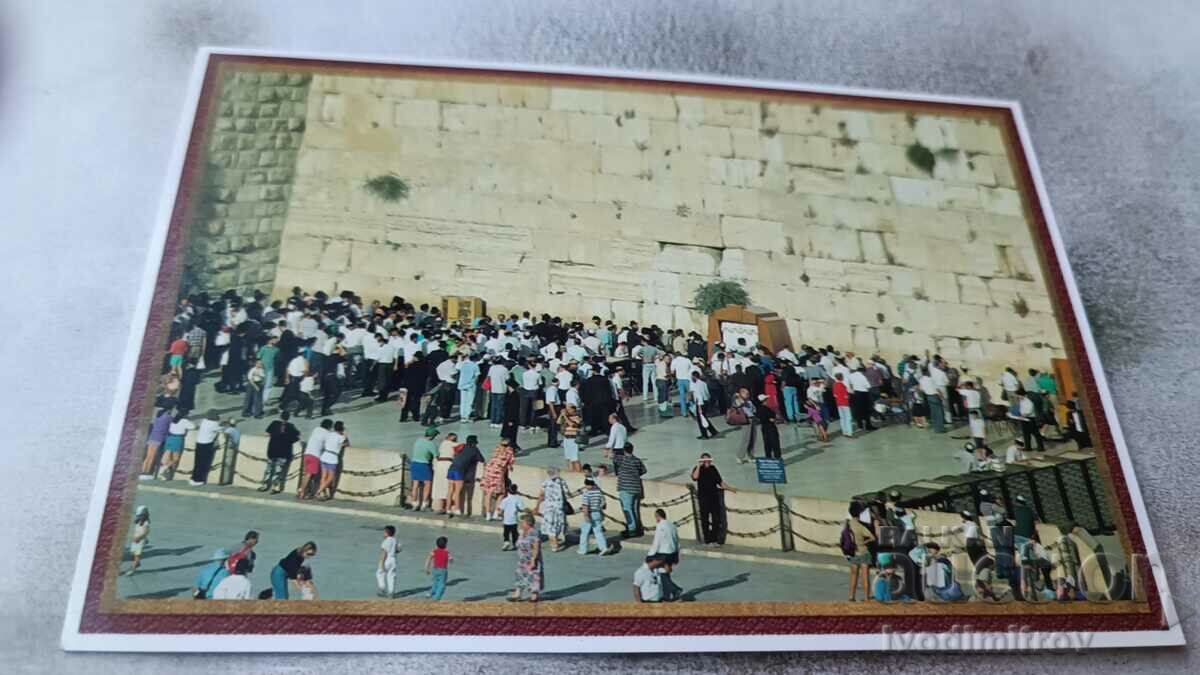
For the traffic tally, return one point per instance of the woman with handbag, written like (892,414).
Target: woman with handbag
(553,505)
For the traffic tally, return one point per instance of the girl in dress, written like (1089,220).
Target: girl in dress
(817,420)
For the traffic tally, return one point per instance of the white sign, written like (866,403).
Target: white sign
(732,331)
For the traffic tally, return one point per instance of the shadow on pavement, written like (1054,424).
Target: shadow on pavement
(158,552)
(567,592)
(158,595)
(184,566)
(690,596)
(408,592)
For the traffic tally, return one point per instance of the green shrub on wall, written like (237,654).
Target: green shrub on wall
(713,296)
(921,157)
(388,187)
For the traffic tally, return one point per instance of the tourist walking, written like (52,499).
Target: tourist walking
(570,422)
(742,413)
(437,565)
(552,504)
(630,490)
(700,397)
(530,575)
(495,477)
(509,509)
(593,518)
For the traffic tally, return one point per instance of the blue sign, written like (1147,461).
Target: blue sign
(770,470)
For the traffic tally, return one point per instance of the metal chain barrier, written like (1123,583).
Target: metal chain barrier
(754,535)
(373,493)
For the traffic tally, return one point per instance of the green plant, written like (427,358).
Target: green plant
(389,187)
(921,157)
(1020,306)
(716,294)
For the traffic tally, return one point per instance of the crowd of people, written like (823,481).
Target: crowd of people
(891,560)
(571,379)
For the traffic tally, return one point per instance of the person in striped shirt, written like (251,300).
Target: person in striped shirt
(593,519)
(629,489)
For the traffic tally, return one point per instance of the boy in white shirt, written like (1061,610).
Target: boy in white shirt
(385,575)
(1015,453)
(510,507)
(978,429)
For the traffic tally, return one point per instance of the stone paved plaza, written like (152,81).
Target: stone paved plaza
(187,528)
(835,470)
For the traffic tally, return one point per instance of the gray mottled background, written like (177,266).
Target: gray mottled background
(91,94)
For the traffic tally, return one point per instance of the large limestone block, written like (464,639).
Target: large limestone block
(662,288)
(664,136)
(1002,201)
(865,339)
(937,133)
(577,100)
(822,333)
(940,286)
(754,144)
(588,128)
(335,257)
(687,259)
(868,278)
(524,97)
(802,118)
(893,128)
(735,172)
(879,158)
(731,201)
(973,290)
(624,311)
(737,113)
(819,182)
(753,233)
(662,316)
(623,161)
(689,320)
(594,282)
(831,242)
(417,114)
(975,135)
(705,139)
(934,194)
(643,105)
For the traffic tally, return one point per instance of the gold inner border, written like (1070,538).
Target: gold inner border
(110,604)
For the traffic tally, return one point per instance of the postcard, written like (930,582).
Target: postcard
(482,357)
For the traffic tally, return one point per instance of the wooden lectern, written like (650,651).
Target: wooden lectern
(772,330)
(463,309)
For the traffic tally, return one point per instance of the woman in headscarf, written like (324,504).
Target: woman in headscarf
(551,503)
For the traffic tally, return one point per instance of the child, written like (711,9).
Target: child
(817,419)
(1016,452)
(304,581)
(978,429)
(991,462)
(141,534)
(385,574)
(883,582)
(510,507)
(438,564)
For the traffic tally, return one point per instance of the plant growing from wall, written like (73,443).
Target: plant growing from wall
(389,187)
(714,295)
(921,157)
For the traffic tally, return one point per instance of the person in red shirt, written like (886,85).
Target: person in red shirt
(177,350)
(841,395)
(438,564)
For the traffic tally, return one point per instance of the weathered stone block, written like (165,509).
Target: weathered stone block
(687,259)
(1001,201)
(705,140)
(577,100)
(973,290)
(937,133)
(752,233)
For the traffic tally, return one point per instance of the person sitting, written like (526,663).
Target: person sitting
(939,575)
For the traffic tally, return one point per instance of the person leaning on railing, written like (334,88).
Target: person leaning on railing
(709,486)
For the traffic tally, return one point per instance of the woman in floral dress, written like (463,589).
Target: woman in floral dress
(550,504)
(495,476)
(530,575)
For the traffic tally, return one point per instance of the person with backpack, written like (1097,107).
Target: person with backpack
(210,575)
(856,537)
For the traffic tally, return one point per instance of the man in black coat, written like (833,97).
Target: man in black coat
(415,379)
(597,402)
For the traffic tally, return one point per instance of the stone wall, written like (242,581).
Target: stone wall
(258,127)
(619,203)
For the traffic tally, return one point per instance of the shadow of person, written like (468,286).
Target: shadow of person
(159,595)
(690,595)
(425,589)
(157,552)
(577,589)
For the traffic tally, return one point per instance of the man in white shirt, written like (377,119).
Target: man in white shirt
(942,382)
(592,343)
(618,435)
(681,368)
(665,549)
(236,586)
(206,441)
(933,398)
(860,399)
(700,396)
(385,366)
(531,388)
(312,456)
(970,396)
(498,381)
(411,348)
(1027,416)
(646,587)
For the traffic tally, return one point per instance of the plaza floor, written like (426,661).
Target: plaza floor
(190,523)
(892,455)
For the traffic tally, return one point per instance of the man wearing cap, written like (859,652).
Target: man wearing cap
(424,451)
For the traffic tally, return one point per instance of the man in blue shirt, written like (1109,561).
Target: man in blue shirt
(211,574)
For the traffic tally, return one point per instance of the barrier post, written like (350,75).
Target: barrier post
(695,513)
(785,521)
(402,498)
(228,462)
